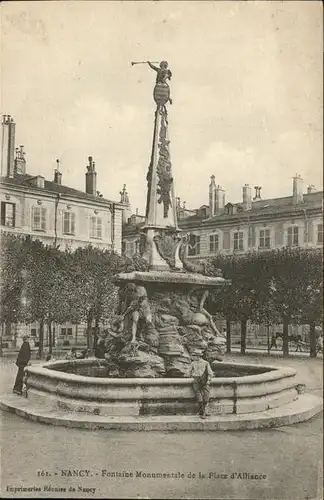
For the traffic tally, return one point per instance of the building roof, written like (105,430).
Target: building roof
(50,186)
(262,207)
(267,208)
(132,228)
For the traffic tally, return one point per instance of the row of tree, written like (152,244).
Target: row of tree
(277,287)
(41,283)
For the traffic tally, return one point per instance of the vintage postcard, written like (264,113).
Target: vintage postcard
(161,279)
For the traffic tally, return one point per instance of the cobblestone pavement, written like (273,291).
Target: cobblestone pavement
(289,457)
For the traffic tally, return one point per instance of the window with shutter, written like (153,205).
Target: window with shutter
(73,223)
(8,214)
(319,233)
(253,236)
(279,234)
(194,244)
(96,227)
(213,243)
(69,223)
(293,236)
(250,236)
(43,219)
(238,240)
(264,238)
(38,219)
(3,213)
(226,240)
(310,230)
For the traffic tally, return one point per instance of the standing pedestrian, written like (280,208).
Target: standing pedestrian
(202,375)
(299,343)
(273,341)
(22,361)
(100,349)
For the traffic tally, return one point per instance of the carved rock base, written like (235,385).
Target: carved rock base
(166,311)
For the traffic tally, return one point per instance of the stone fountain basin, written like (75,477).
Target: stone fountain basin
(53,387)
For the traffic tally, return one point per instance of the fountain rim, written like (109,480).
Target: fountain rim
(170,277)
(46,370)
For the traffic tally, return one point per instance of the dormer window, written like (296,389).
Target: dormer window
(229,209)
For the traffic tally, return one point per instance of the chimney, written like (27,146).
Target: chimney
(311,189)
(57,173)
(257,195)
(219,200)
(297,189)
(20,161)
(8,146)
(247,197)
(91,177)
(212,188)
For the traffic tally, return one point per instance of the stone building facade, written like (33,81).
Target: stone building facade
(54,213)
(252,224)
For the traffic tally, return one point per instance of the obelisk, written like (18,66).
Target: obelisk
(161,235)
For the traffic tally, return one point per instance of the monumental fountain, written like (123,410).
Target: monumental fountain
(160,322)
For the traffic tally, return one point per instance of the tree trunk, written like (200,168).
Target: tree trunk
(96,333)
(89,330)
(76,334)
(15,334)
(50,338)
(243,335)
(228,336)
(312,340)
(41,340)
(2,332)
(268,338)
(285,340)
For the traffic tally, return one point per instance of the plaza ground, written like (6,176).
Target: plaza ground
(290,457)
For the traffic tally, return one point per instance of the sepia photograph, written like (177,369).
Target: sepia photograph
(161,250)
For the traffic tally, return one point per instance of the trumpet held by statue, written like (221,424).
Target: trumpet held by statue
(143,62)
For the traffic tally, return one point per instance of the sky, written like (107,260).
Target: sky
(246,89)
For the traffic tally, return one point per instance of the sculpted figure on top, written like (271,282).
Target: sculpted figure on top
(162,89)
